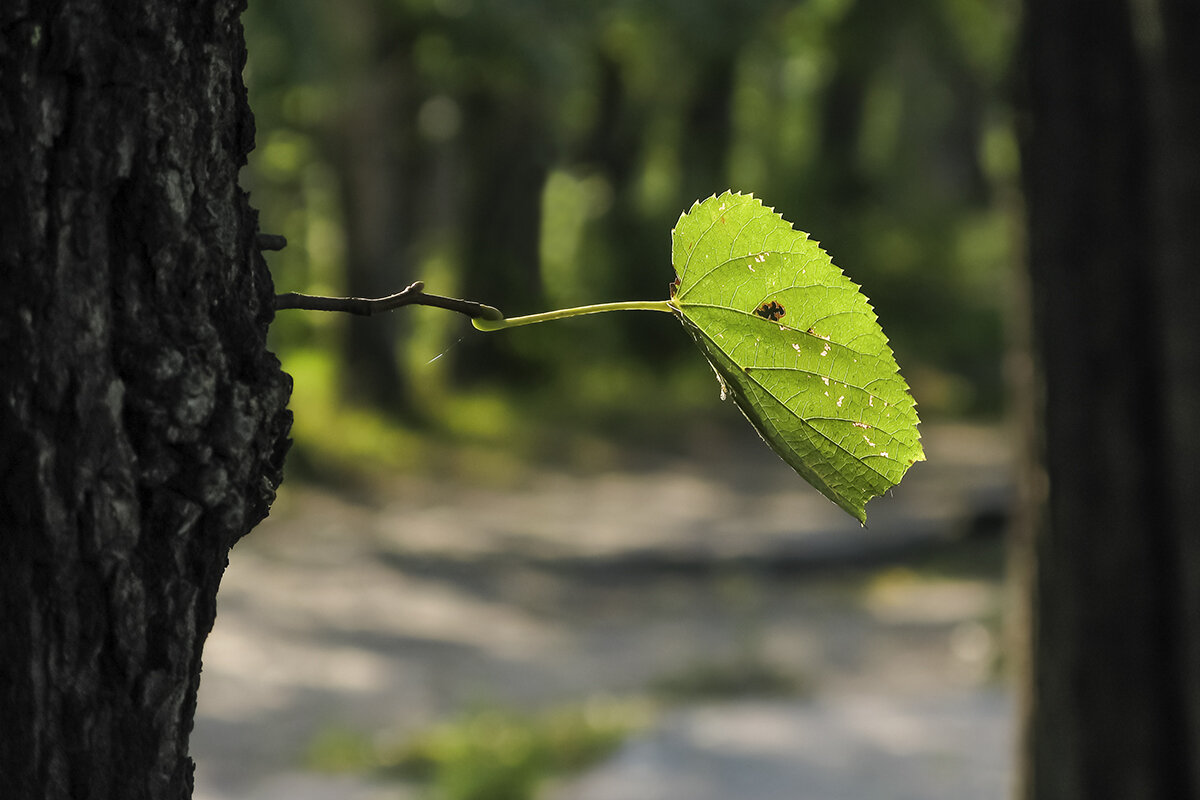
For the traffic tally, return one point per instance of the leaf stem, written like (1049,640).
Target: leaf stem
(566,313)
(484,317)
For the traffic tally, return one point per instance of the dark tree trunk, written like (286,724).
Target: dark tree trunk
(142,420)
(1111,159)
(708,126)
(378,239)
(509,164)
(372,146)
(623,236)
(862,40)
(505,139)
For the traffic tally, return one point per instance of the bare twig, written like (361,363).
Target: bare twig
(270,241)
(365,307)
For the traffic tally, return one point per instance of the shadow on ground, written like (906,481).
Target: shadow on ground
(391,615)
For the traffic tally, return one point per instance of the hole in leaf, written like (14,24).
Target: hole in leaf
(772,311)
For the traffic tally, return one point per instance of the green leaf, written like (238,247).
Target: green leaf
(797,346)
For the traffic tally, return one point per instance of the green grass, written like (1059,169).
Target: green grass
(490,754)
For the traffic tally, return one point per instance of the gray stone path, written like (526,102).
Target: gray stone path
(950,745)
(392,615)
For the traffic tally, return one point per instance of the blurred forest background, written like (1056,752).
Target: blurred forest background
(533,155)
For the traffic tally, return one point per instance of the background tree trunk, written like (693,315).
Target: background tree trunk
(1111,160)
(142,420)
(376,159)
(379,243)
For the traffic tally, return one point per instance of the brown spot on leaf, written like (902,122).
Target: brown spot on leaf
(771,310)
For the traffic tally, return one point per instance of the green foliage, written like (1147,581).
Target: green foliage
(797,347)
(336,436)
(490,754)
(883,125)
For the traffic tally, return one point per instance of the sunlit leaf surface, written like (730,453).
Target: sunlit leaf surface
(797,346)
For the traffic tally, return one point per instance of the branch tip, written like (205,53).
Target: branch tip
(270,241)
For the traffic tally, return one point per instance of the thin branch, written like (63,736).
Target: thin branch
(270,241)
(412,295)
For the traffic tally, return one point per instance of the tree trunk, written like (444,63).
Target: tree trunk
(1111,159)
(142,420)
(372,147)
(505,139)
(708,125)
(379,240)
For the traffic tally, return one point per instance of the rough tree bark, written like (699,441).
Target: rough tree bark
(142,420)
(1111,160)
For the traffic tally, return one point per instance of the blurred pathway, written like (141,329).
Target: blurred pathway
(392,616)
(951,744)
